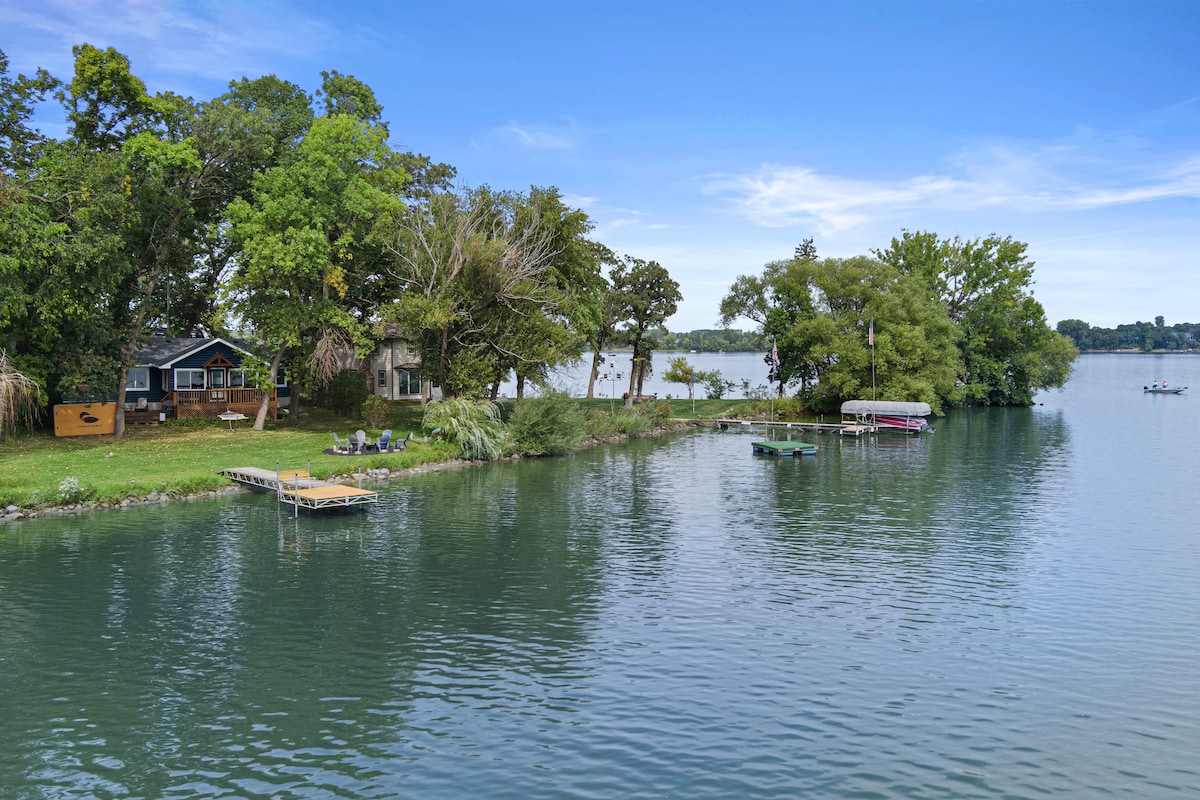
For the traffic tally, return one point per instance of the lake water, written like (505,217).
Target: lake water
(734,367)
(1005,608)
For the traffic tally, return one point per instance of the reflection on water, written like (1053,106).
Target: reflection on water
(1001,609)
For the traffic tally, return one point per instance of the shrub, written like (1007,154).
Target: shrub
(552,425)
(69,491)
(632,423)
(346,393)
(656,412)
(715,385)
(375,410)
(474,426)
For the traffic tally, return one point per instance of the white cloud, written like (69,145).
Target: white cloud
(1053,179)
(543,138)
(212,41)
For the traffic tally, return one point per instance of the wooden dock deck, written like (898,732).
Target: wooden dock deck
(297,488)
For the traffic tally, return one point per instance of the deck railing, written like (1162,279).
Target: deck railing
(208,403)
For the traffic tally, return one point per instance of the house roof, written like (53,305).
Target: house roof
(163,351)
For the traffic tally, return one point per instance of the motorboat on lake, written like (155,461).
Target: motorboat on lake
(1160,387)
(889,414)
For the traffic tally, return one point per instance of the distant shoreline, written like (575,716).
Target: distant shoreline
(1138,352)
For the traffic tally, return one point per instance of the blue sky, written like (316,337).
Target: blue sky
(715,137)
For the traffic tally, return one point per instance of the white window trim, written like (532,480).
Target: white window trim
(203,378)
(131,385)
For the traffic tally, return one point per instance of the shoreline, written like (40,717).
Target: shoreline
(377,474)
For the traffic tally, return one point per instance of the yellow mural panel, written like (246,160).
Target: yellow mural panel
(85,419)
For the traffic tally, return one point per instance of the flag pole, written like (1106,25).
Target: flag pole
(774,373)
(871,339)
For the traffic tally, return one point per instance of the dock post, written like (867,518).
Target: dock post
(297,498)
(360,476)
(278,483)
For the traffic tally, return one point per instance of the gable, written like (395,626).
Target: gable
(162,352)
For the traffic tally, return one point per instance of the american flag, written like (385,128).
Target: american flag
(871,333)
(774,360)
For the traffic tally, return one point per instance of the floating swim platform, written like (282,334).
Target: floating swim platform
(785,448)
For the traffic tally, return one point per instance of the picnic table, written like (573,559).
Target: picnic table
(232,417)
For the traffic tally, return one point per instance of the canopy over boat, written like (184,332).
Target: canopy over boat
(888,407)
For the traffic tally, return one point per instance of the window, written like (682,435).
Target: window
(189,379)
(408,381)
(139,379)
(383,379)
(216,378)
(281,379)
(237,379)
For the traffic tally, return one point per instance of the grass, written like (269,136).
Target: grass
(39,469)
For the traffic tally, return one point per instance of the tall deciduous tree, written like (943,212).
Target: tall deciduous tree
(820,314)
(301,232)
(1007,348)
(476,288)
(645,295)
(777,301)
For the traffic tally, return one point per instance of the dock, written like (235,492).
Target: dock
(837,428)
(785,448)
(297,488)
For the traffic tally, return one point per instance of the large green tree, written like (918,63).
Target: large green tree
(1008,351)
(777,301)
(301,232)
(487,285)
(821,315)
(644,297)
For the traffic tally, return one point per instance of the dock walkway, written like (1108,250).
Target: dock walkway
(838,428)
(297,488)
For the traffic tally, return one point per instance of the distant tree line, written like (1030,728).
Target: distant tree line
(1141,336)
(711,340)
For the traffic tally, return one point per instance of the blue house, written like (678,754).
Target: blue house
(194,378)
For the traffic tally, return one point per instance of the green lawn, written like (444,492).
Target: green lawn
(185,460)
(182,460)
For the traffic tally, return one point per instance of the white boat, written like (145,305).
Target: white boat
(889,414)
(1162,388)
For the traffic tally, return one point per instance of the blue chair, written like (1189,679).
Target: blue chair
(385,439)
(403,443)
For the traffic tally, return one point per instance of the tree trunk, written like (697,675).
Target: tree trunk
(265,406)
(633,373)
(294,397)
(520,386)
(119,429)
(592,374)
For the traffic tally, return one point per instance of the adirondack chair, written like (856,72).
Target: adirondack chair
(385,439)
(341,445)
(403,443)
(363,441)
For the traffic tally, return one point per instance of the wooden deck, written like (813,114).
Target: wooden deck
(211,403)
(297,488)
